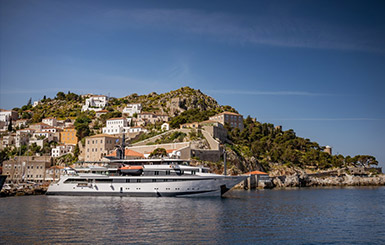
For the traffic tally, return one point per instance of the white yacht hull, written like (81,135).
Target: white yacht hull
(173,187)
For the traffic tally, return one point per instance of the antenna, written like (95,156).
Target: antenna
(224,162)
(123,145)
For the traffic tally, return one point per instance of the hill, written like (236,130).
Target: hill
(258,146)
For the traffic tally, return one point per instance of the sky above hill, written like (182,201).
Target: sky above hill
(317,67)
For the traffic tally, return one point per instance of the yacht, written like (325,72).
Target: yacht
(144,178)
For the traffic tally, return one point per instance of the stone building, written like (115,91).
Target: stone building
(234,120)
(98,146)
(51,121)
(152,118)
(26,168)
(328,150)
(23,136)
(39,126)
(53,173)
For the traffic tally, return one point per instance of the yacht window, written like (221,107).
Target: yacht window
(103,180)
(138,180)
(167,172)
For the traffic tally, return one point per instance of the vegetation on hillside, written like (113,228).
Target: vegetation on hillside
(269,146)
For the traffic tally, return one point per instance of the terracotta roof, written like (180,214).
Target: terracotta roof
(116,118)
(167,151)
(40,123)
(102,111)
(227,113)
(257,172)
(127,152)
(208,121)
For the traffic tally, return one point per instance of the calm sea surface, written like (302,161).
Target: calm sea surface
(296,216)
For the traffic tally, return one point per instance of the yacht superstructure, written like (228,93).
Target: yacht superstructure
(145,177)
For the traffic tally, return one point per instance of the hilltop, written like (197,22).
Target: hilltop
(171,103)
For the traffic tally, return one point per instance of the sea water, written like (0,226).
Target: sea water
(294,216)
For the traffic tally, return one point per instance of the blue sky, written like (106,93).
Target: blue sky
(317,67)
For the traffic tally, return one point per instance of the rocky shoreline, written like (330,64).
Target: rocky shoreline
(305,180)
(24,190)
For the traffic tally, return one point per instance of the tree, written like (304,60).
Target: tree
(365,160)
(81,126)
(10,125)
(37,117)
(159,152)
(60,96)
(29,102)
(4,155)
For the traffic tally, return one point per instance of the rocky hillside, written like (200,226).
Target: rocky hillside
(172,103)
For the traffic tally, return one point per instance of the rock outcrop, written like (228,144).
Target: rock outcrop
(304,180)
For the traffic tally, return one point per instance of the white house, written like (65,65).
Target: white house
(51,121)
(95,103)
(6,116)
(137,129)
(131,109)
(165,127)
(40,134)
(117,125)
(9,140)
(61,150)
(38,142)
(21,123)
(51,129)
(36,103)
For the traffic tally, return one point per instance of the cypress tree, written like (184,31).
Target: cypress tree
(10,126)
